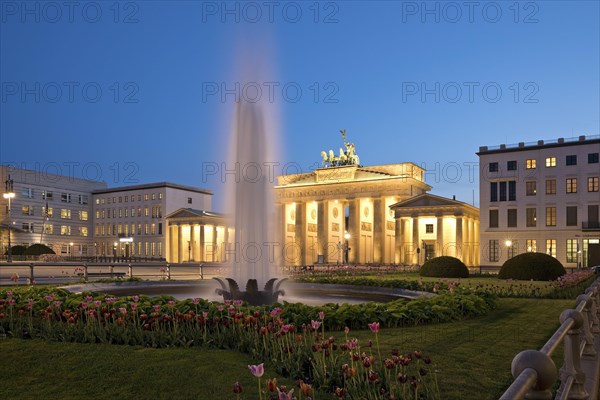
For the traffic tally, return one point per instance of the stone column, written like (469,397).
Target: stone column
(301,233)
(459,237)
(202,255)
(215,248)
(416,242)
(225,243)
(379,226)
(354,230)
(179,243)
(440,236)
(398,253)
(323,229)
(192,242)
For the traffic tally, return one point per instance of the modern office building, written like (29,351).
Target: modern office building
(130,221)
(47,208)
(540,197)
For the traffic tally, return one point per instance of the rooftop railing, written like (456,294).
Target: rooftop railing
(539,143)
(534,371)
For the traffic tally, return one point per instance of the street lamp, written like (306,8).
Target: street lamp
(9,194)
(508,244)
(346,247)
(71,250)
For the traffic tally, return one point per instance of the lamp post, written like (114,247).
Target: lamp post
(71,250)
(508,244)
(9,194)
(346,247)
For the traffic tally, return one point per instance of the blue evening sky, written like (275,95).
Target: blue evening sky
(144,91)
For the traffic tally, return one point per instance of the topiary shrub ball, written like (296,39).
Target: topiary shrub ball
(38,249)
(17,250)
(536,266)
(444,267)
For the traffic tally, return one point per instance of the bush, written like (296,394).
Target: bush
(17,250)
(444,267)
(536,266)
(38,249)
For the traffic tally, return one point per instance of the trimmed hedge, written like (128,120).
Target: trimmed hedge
(444,267)
(536,266)
(17,250)
(38,249)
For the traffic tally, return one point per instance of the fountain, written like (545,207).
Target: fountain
(250,202)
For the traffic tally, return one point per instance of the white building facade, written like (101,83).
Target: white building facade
(540,197)
(47,208)
(130,221)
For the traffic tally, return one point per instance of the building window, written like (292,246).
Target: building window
(139,229)
(114,213)
(512,249)
(27,210)
(550,216)
(428,228)
(126,198)
(530,188)
(83,231)
(502,191)
(189,200)
(103,214)
(593,184)
(493,191)
(146,211)
(65,197)
(493,167)
(160,228)
(97,201)
(550,162)
(65,213)
(27,192)
(146,196)
(153,229)
(153,196)
(27,227)
(572,216)
(132,198)
(512,190)
(593,158)
(551,247)
(493,250)
(65,230)
(531,245)
(571,185)
(571,160)
(511,215)
(120,199)
(531,217)
(114,200)
(83,199)
(572,246)
(146,232)
(49,229)
(132,212)
(83,215)
(47,212)
(530,164)
(511,165)
(120,212)
(493,218)
(550,186)
(47,195)
(160,196)
(139,197)
(159,245)
(119,229)
(139,211)
(126,212)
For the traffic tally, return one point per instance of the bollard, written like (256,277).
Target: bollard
(130,271)
(201,272)
(85,272)
(168,272)
(111,269)
(31,277)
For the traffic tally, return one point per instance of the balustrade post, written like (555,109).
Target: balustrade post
(201,271)
(31,277)
(85,272)
(588,350)
(169,272)
(593,292)
(111,269)
(130,271)
(572,360)
(544,367)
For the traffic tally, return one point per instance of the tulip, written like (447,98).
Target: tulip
(257,370)
(285,396)
(272,384)
(196,301)
(237,388)
(374,327)
(315,324)
(321,315)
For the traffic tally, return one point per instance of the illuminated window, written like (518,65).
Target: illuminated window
(531,245)
(47,213)
(49,229)
(551,247)
(512,249)
(530,164)
(153,196)
(83,215)
(550,162)
(47,195)
(550,216)
(146,211)
(571,185)
(27,210)
(83,231)
(65,230)
(593,184)
(120,212)
(65,213)
(572,247)
(146,197)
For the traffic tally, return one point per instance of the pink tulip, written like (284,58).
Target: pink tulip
(220,307)
(171,303)
(238,303)
(315,324)
(156,307)
(257,370)
(97,303)
(134,306)
(374,327)
(276,311)
(321,315)
(123,310)
(346,330)
(136,298)
(9,294)
(285,396)
(196,301)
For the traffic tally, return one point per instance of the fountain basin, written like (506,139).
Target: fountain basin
(306,293)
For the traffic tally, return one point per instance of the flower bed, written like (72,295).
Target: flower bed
(291,337)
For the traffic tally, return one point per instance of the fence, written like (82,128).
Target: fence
(534,371)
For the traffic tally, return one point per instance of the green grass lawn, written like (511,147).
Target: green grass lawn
(472,357)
